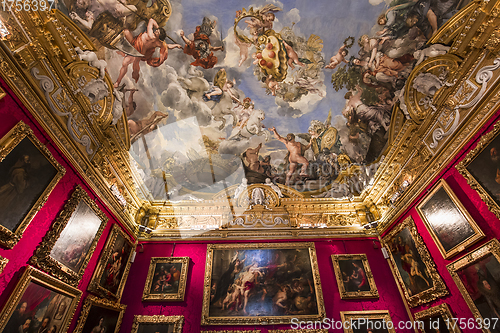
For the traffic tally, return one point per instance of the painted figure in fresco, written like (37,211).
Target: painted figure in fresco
(338,58)
(145,43)
(145,126)
(251,156)
(223,95)
(295,154)
(200,48)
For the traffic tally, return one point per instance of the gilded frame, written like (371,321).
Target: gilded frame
(177,321)
(94,285)
(179,296)
(439,288)
(8,143)
(3,263)
(349,316)
(490,248)
(344,294)
(483,143)
(103,303)
(298,331)
(262,320)
(32,275)
(478,233)
(42,258)
(440,310)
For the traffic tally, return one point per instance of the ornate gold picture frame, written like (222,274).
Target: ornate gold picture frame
(3,263)
(28,174)
(476,276)
(238,270)
(380,319)
(153,324)
(481,168)
(166,281)
(232,331)
(354,276)
(98,314)
(298,331)
(449,223)
(113,268)
(67,247)
(436,318)
(408,253)
(56,307)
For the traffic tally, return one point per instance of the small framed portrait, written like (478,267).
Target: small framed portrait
(157,324)
(481,168)
(67,247)
(437,319)
(354,276)
(448,222)
(412,264)
(112,270)
(100,316)
(3,263)
(39,303)
(376,321)
(28,173)
(166,279)
(248,284)
(477,276)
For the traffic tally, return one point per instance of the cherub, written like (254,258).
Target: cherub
(87,23)
(271,83)
(338,58)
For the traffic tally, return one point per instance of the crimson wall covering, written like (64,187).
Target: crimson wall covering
(485,219)
(11,112)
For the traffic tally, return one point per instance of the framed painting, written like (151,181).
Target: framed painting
(112,270)
(28,173)
(3,263)
(298,331)
(235,292)
(448,222)
(67,247)
(39,303)
(354,276)
(100,315)
(437,319)
(166,279)
(477,276)
(481,168)
(375,321)
(155,324)
(412,264)
(232,331)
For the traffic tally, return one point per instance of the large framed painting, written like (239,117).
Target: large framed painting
(412,264)
(155,324)
(477,276)
(67,247)
(166,279)
(374,321)
(28,173)
(481,169)
(354,276)
(39,303)
(449,223)
(437,319)
(112,270)
(3,263)
(258,283)
(100,315)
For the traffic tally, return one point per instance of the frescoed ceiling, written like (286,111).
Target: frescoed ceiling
(292,91)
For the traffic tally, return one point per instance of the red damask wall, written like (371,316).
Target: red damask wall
(192,306)
(485,219)
(11,112)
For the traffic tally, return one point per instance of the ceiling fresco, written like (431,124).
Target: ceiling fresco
(297,93)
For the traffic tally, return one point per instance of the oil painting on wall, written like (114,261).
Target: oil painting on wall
(28,173)
(154,324)
(39,303)
(215,92)
(354,276)
(413,265)
(100,315)
(248,283)
(166,280)
(478,278)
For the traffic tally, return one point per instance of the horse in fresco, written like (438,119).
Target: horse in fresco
(253,127)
